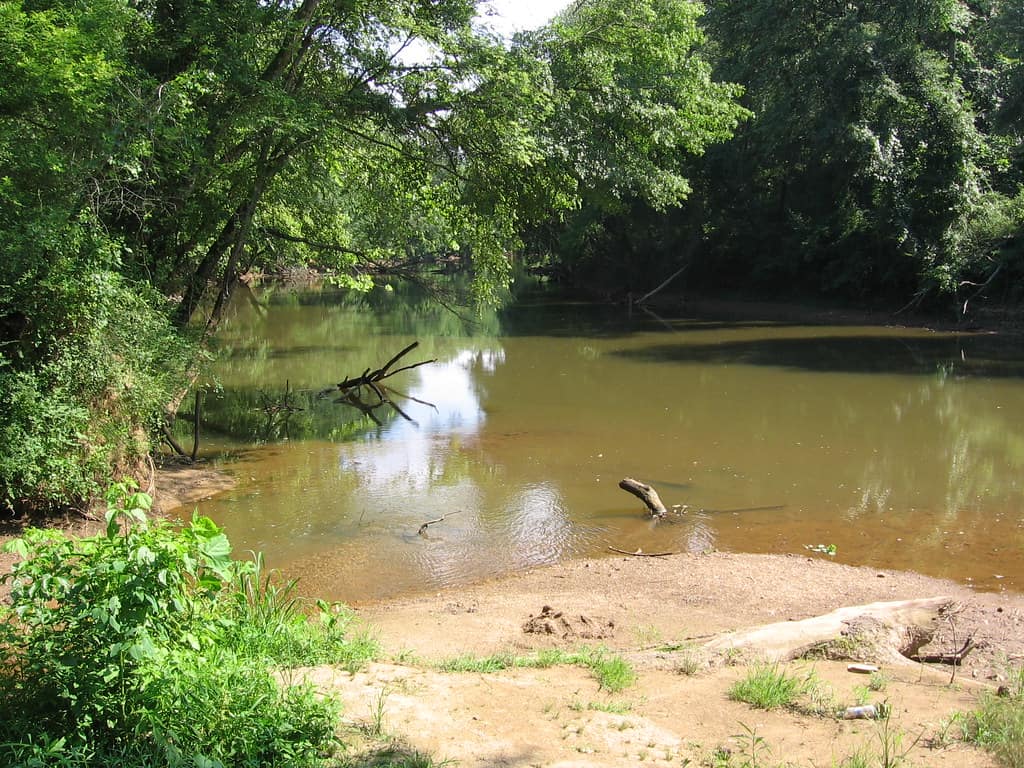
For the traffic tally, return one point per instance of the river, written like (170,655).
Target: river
(901,448)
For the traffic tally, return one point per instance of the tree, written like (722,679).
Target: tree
(78,386)
(867,169)
(634,105)
(154,150)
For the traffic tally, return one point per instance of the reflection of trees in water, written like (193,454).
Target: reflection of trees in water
(254,416)
(313,336)
(968,457)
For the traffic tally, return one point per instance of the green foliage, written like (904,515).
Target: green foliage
(634,97)
(84,395)
(634,107)
(998,723)
(868,168)
(127,648)
(268,621)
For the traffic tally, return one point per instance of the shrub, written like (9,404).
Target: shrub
(122,649)
(82,387)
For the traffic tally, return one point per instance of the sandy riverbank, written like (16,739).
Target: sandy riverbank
(659,614)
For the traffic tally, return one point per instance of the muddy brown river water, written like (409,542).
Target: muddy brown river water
(902,448)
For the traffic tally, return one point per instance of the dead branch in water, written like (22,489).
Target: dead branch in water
(354,390)
(441,519)
(640,553)
(370,378)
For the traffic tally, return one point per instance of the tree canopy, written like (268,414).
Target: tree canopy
(154,150)
(151,151)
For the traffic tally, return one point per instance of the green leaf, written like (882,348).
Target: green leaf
(17,547)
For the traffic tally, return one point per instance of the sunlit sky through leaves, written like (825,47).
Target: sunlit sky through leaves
(511,16)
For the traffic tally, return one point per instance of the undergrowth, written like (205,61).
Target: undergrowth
(998,723)
(148,645)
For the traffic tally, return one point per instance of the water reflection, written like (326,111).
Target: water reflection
(888,443)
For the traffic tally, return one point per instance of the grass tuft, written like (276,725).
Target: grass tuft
(770,687)
(268,620)
(610,707)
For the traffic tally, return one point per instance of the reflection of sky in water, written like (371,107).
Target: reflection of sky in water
(538,523)
(413,453)
(428,468)
(448,385)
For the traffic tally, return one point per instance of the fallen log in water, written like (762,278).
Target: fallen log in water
(646,494)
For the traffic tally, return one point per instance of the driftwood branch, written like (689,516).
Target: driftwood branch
(423,528)
(887,632)
(973,296)
(646,494)
(369,377)
(166,433)
(640,553)
(947,658)
(668,280)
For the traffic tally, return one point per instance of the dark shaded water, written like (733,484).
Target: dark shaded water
(904,448)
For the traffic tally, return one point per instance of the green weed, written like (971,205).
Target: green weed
(394,756)
(860,759)
(878,682)
(892,752)
(268,619)
(753,748)
(998,723)
(769,687)
(613,673)
(375,727)
(611,707)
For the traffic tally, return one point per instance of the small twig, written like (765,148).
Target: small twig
(973,296)
(639,553)
(196,416)
(396,358)
(441,519)
(394,391)
(402,413)
(409,367)
(152,476)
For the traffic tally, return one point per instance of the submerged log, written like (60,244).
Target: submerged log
(646,494)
